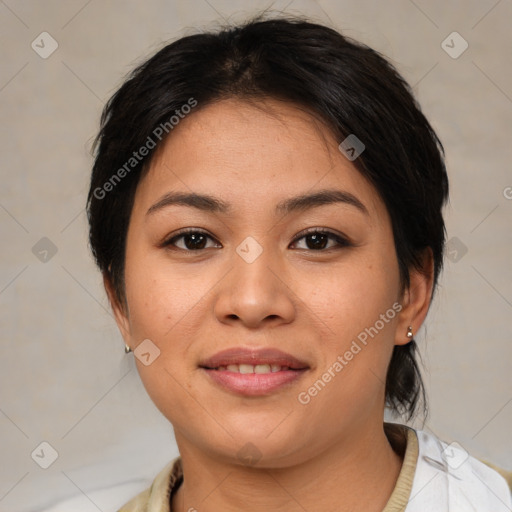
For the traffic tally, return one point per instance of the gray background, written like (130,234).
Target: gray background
(64,377)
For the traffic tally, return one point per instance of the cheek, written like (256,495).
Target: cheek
(161,310)
(161,298)
(167,306)
(358,302)
(353,296)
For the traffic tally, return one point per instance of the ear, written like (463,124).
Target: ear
(416,299)
(120,311)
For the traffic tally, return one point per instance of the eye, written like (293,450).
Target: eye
(317,240)
(314,239)
(191,240)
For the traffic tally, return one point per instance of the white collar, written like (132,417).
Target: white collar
(448,479)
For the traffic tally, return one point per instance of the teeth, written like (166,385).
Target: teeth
(246,368)
(250,368)
(262,368)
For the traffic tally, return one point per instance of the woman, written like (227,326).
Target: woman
(266,210)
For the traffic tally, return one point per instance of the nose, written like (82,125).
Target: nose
(255,294)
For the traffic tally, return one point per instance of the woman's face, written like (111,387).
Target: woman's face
(291,250)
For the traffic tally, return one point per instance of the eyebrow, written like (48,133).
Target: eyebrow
(319,198)
(302,202)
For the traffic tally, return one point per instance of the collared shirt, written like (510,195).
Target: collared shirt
(403,439)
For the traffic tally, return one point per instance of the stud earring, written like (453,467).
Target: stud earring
(127,349)
(409,332)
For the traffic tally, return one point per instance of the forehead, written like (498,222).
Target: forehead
(252,153)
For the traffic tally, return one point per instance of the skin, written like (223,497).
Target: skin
(332,453)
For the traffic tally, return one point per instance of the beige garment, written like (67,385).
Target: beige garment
(402,438)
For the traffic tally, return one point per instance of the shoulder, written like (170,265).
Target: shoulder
(156,497)
(507,475)
(138,503)
(447,474)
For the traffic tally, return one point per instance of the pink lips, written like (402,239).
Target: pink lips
(255,356)
(253,384)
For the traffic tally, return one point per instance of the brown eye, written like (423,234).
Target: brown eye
(194,241)
(320,240)
(317,241)
(191,241)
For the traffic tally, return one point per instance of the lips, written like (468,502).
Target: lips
(253,372)
(253,368)
(257,357)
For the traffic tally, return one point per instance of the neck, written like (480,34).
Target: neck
(355,475)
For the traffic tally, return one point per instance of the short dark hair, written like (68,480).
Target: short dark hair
(350,86)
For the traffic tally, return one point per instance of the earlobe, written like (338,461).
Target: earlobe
(120,315)
(416,300)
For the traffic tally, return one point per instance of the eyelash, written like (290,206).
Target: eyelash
(341,240)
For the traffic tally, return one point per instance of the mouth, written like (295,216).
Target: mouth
(260,369)
(253,372)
